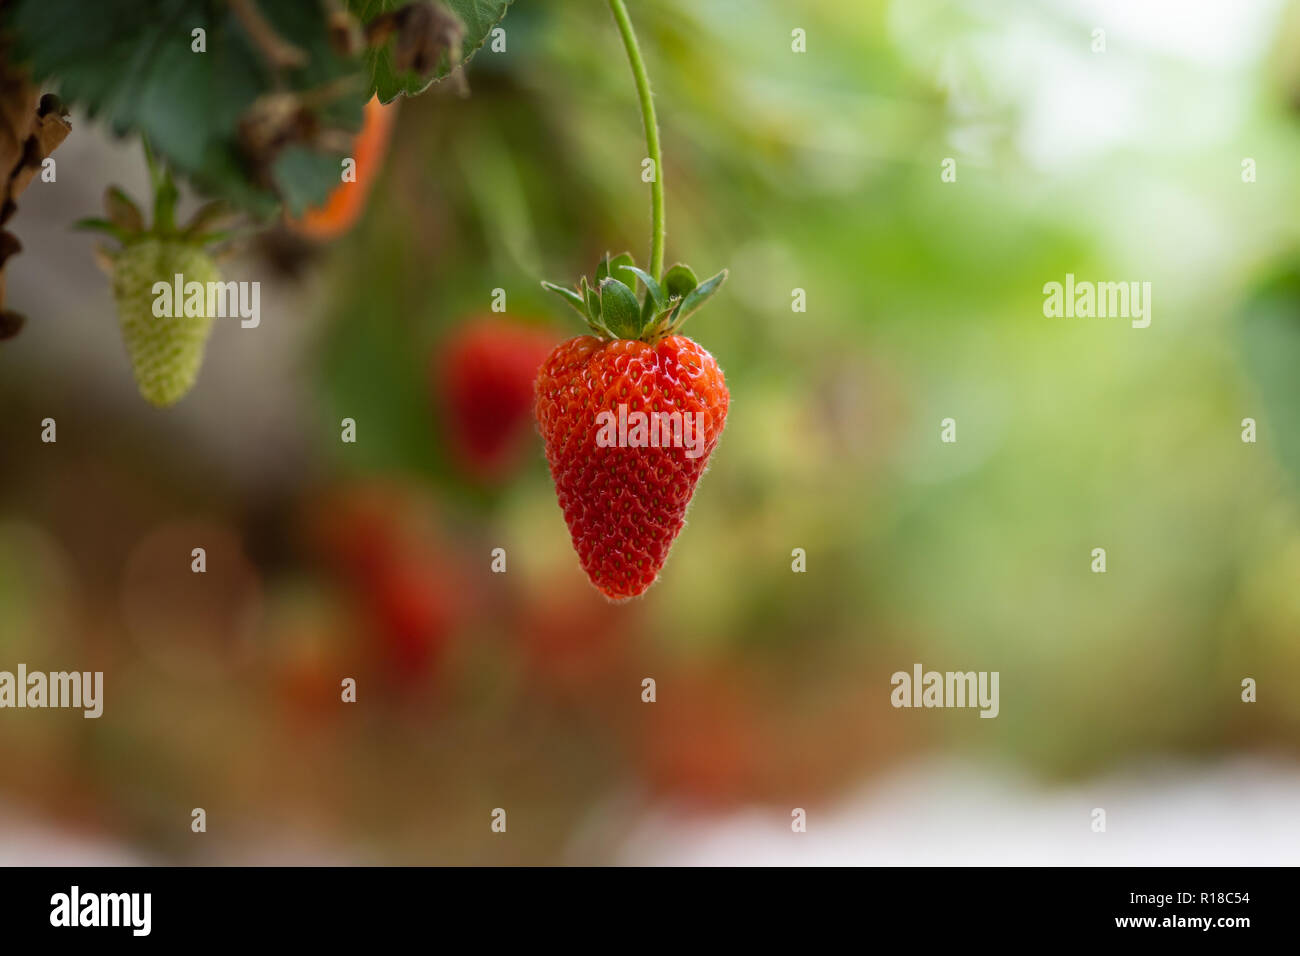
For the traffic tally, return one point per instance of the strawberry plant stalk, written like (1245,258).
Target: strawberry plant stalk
(651,136)
(601,478)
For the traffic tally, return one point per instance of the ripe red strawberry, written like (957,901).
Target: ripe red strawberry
(357,530)
(626,501)
(484,384)
(413,607)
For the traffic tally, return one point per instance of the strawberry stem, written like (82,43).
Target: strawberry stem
(651,135)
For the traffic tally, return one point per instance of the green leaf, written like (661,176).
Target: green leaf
(620,268)
(569,296)
(208,217)
(679,280)
(696,298)
(1269,333)
(129,64)
(619,309)
(122,210)
(104,226)
(592,311)
(164,204)
(655,296)
(298,169)
(593,299)
(478,18)
(654,303)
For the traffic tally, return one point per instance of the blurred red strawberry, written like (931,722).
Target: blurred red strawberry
(381,541)
(773,733)
(578,643)
(357,530)
(484,385)
(701,740)
(413,607)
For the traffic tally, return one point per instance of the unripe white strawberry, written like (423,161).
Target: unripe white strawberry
(164,339)
(166,351)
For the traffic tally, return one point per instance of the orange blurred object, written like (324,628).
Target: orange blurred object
(344,205)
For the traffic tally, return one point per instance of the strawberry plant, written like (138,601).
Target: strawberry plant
(253,103)
(625,501)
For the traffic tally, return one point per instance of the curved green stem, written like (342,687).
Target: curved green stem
(651,136)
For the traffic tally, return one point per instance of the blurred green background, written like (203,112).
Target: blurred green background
(817,171)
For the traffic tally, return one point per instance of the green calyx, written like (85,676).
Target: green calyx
(124,221)
(610,304)
(613,310)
